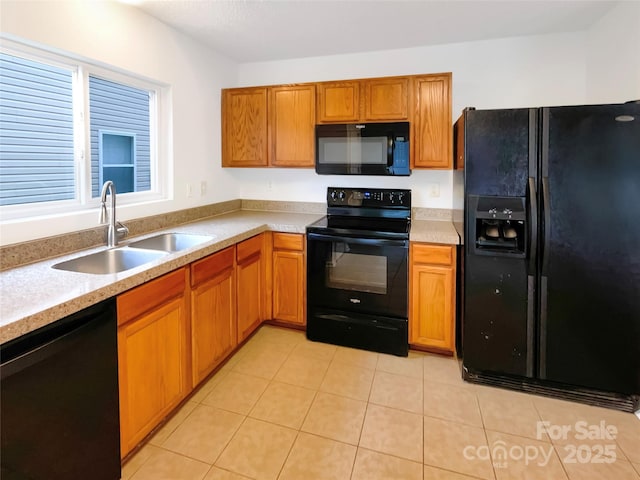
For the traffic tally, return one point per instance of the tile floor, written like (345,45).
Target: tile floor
(286,408)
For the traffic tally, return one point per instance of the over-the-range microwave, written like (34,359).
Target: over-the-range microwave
(363,149)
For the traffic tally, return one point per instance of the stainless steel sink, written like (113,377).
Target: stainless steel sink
(172,242)
(110,261)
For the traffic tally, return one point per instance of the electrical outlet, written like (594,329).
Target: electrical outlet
(434,190)
(189,190)
(203,188)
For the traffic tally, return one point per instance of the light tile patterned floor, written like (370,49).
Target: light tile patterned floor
(286,408)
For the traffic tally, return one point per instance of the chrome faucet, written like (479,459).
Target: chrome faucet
(115,230)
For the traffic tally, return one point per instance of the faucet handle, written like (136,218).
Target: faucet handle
(121,230)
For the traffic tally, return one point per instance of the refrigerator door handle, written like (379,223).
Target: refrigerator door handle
(542,333)
(546,225)
(533,225)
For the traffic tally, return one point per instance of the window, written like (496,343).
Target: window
(36,132)
(120,149)
(67,126)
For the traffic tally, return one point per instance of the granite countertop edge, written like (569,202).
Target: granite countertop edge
(36,295)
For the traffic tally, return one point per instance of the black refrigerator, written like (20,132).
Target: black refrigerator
(551,289)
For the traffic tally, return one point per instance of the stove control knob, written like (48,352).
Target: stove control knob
(337,195)
(400,197)
(391,199)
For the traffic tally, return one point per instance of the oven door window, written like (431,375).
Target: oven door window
(357,274)
(360,272)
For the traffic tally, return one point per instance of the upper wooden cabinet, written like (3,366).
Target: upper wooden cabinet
(275,126)
(458,144)
(369,100)
(431,129)
(268,126)
(385,99)
(244,127)
(338,102)
(292,119)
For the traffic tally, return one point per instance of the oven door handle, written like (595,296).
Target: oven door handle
(376,242)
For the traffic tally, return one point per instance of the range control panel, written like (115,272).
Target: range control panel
(368,197)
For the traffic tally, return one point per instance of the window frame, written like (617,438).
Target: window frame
(159,133)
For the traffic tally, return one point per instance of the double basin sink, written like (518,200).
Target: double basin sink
(134,254)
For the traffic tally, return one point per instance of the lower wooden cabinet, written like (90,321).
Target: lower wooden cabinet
(213,312)
(432,285)
(153,354)
(289,278)
(250,282)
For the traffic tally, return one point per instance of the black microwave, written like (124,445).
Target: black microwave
(363,149)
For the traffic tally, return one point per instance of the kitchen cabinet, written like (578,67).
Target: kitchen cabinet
(244,127)
(269,126)
(213,312)
(432,133)
(289,278)
(385,99)
(153,354)
(274,126)
(338,102)
(250,285)
(458,144)
(432,284)
(369,100)
(292,118)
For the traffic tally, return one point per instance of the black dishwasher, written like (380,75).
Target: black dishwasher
(59,399)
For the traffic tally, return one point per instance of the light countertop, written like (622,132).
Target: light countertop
(434,231)
(35,295)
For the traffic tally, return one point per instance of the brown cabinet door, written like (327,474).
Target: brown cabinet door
(289,278)
(289,292)
(213,312)
(432,297)
(244,127)
(431,124)
(386,99)
(338,102)
(250,285)
(458,147)
(153,352)
(292,119)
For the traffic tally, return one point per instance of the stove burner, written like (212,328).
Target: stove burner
(374,213)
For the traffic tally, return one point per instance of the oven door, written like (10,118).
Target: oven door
(359,275)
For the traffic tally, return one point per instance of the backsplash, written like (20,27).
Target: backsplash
(24,253)
(290,207)
(442,214)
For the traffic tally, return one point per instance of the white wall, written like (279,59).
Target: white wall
(505,73)
(124,37)
(601,64)
(613,60)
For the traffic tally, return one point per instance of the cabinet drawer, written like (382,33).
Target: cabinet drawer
(249,248)
(212,265)
(288,241)
(141,299)
(433,254)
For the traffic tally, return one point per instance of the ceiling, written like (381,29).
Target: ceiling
(264,30)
